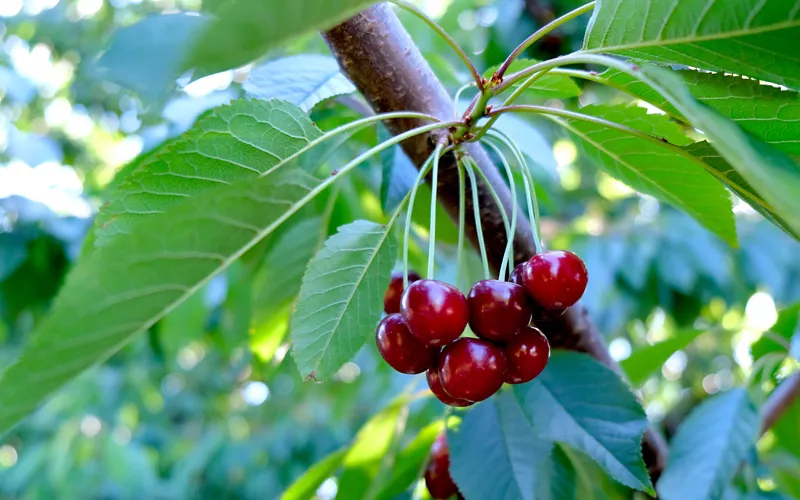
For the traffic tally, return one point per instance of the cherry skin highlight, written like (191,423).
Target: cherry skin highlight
(437,473)
(472,369)
(403,351)
(498,310)
(516,274)
(555,279)
(435,312)
(391,299)
(435,385)
(527,356)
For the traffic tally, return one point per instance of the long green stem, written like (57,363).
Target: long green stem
(476,212)
(432,232)
(541,32)
(509,254)
(457,98)
(461,215)
(447,38)
(423,171)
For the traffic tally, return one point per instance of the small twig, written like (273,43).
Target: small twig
(779,401)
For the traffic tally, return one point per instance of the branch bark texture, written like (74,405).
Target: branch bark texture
(376,53)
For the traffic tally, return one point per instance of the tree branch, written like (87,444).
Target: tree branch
(779,401)
(379,57)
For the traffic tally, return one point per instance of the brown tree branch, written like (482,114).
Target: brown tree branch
(779,401)
(379,57)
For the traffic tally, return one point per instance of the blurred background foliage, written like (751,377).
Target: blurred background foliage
(208,404)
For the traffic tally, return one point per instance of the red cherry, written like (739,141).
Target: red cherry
(538,313)
(437,472)
(527,355)
(516,274)
(555,279)
(391,299)
(498,309)
(435,385)
(435,312)
(403,351)
(472,369)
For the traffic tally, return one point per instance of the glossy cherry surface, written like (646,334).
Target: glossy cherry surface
(437,472)
(435,312)
(516,274)
(555,279)
(435,385)
(527,356)
(498,309)
(403,351)
(472,369)
(391,299)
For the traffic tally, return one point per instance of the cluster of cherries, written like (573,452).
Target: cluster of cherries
(425,321)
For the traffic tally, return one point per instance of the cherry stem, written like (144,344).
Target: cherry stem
(447,38)
(423,171)
(461,215)
(437,153)
(476,212)
(541,32)
(509,254)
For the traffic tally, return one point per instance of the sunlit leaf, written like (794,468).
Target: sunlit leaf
(646,361)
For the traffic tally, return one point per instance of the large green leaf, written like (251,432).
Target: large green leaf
(756,38)
(709,446)
(232,143)
(776,342)
(341,297)
(582,403)
(767,112)
(648,360)
(559,477)
(495,452)
(652,167)
(546,87)
(307,484)
(303,80)
(247,29)
(126,286)
(716,164)
(409,462)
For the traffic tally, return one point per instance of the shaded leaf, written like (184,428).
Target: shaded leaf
(776,342)
(306,485)
(409,462)
(646,361)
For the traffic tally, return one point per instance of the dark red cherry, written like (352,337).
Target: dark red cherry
(527,355)
(498,309)
(555,279)
(472,369)
(435,385)
(391,299)
(435,312)
(403,351)
(516,274)
(437,472)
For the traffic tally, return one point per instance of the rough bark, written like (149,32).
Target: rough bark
(379,57)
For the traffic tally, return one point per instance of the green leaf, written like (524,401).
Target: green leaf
(775,341)
(307,484)
(398,174)
(559,477)
(546,87)
(230,144)
(409,462)
(303,80)
(580,402)
(717,165)
(767,112)
(495,452)
(646,361)
(128,285)
(341,297)
(248,29)
(746,37)
(709,446)
(654,168)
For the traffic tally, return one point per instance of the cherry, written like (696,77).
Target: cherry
(538,313)
(498,309)
(472,369)
(437,472)
(435,312)
(527,355)
(435,385)
(516,274)
(391,299)
(555,279)
(403,351)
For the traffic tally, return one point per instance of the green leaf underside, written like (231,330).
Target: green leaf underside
(409,462)
(646,361)
(307,484)
(581,403)
(303,80)
(653,168)
(247,29)
(546,87)
(495,452)
(709,447)
(230,144)
(341,297)
(767,112)
(128,285)
(756,38)
(731,178)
